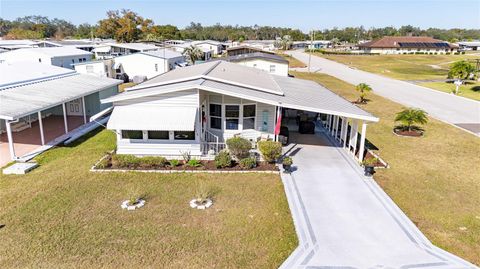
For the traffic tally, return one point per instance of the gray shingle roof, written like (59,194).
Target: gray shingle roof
(244,82)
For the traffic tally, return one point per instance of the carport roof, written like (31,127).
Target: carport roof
(25,99)
(239,81)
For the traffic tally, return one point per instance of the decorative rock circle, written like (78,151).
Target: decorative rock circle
(126,204)
(194,204)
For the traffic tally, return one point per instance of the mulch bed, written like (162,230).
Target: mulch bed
(206,166)
(412,133)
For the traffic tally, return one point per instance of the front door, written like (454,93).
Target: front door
(75,108)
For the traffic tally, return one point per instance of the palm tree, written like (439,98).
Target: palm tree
(411,116)
(193,54)
(363,88)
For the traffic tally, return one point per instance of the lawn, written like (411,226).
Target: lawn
(403,67)
(292,61)
(61,215)
(471,91)
(434,179)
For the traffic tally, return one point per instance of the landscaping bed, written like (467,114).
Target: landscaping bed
(63,216)
(129,162)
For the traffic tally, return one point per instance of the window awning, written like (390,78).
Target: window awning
(153,118)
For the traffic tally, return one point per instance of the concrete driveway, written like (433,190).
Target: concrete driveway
(462,112)
(345,220)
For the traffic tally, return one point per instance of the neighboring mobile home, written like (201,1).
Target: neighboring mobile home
(141,64)
(43,105)
(110,50)
(58,56)
(196,108)
(271,63)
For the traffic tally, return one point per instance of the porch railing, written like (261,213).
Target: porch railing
(211,142)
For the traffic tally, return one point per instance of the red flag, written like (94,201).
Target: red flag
(279,122)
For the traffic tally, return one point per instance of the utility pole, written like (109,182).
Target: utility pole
(312,34)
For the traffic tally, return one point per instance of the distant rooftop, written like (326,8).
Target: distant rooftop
(53,51)
(163,53)
(133,46)
(406,42)
(256,55)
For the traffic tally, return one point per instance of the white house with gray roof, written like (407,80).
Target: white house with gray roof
(271,63)
(59,56)
(196,108)
(141,65)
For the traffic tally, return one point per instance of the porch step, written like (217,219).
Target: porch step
(20,168)
(19,126)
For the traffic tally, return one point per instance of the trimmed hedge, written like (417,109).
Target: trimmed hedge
(270,150)
(239,147)
(248,163)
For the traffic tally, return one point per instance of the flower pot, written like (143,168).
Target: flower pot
(369,170)
(287,168)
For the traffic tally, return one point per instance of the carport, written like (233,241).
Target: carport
(34,115)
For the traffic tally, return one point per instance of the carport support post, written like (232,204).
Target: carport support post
(65,117)
(84,112)
(362,141)
(337,123)
(40,124)
(332,130)
(10,141)
(345,131)
(353,136)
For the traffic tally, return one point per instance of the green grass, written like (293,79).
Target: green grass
(123,86)
(471,90)
(61,215)
(292,62)
(403,67)
(434,179)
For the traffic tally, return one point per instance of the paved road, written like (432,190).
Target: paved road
(462,112)
(345,220)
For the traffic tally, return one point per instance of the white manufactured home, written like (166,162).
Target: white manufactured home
(271,63)
(59,56)
(196,108)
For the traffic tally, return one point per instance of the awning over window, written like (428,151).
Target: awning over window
(153,118)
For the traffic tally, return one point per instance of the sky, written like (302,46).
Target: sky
(303,14)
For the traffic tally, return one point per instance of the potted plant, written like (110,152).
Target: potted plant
(369,166)
(287,164)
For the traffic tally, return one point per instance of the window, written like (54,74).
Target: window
(249,116)
(272,68)
(232,114)
(184,135)
(215,116)
(129,134)
(158,135)
(156,67)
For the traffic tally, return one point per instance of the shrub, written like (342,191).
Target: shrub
(150,161)
(102,164)
(287,161)
(186,156)
(174,163)
(239,147)
(270,150)
(125,161)
(223,159)
(370,161)
(248,163)
(194,163)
